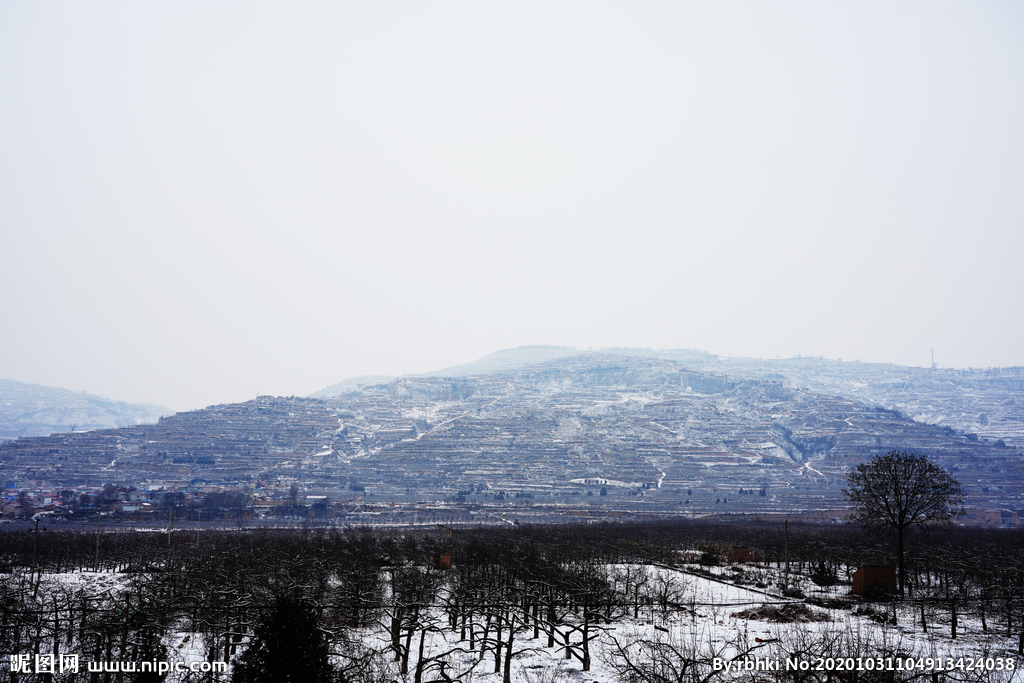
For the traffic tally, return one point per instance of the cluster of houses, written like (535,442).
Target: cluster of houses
(23,499)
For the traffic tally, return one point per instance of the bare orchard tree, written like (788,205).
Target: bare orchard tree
(899,490)
(676,655)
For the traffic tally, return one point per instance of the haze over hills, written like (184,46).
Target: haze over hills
(985,401)
(577,435)
(34,410)
(499,361)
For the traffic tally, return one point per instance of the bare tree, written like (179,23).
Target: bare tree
(679,656)
(899,490)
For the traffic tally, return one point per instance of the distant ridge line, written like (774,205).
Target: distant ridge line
(514,358)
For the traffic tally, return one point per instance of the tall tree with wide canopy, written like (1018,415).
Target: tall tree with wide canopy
(288,646)
(899,490)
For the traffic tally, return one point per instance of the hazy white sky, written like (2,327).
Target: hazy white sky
(201,201)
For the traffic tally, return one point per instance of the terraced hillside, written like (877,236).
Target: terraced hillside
(577,436)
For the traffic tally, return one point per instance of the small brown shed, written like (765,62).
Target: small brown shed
(738,554)
(866,578)
(440,561)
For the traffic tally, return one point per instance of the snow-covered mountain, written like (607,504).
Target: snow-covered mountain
(35,410)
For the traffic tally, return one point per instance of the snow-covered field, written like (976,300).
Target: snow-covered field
(710,617)
(686,623)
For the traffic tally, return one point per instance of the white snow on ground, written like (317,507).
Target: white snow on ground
(702,615)
(599,481)
(706,620)
(807,465)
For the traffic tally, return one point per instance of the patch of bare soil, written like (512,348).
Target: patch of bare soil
(785,614)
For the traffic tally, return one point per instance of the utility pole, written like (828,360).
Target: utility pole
(35,544)
(785,548)
(35,541)
(96,563)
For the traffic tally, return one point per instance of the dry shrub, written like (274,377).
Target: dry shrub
(785,614)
